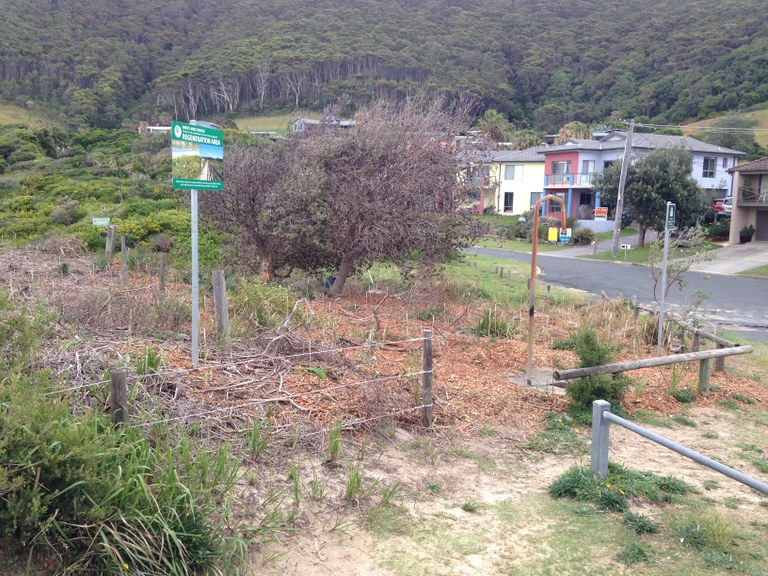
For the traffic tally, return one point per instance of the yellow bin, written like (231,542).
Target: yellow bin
(553,234)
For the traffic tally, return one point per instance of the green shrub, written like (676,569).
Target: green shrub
(256,304)
(67,212)
(719,229)
(590,350)
(583,237)
(683,396)
(593,352)
(584,391)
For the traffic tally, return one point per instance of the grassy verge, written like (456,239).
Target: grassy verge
(519,246)
(642,254)
(759,272)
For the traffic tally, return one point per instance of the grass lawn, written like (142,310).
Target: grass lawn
(759,272)
(641,255)
(12,114)
(272,123)
(761,116)
(608,235)
(519,246)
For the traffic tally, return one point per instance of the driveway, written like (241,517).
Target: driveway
(735,259)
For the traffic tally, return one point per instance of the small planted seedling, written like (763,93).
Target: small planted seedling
(334,443)
(258,437)
(354,483)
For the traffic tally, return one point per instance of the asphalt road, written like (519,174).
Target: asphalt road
(733,303)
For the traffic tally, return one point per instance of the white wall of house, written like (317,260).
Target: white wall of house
(517,181)
(718,179)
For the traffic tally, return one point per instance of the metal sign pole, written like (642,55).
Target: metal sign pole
(202,142)
(195,283)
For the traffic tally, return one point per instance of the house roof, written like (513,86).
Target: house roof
(616,140)
(475,155)
(528,155)
(759,165)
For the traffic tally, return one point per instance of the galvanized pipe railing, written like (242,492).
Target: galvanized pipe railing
(601,419)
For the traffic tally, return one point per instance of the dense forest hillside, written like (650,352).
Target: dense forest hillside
(541,63)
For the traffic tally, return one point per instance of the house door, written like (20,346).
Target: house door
(761,230)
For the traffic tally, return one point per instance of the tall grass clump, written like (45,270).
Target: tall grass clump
(492,324)
(98,499)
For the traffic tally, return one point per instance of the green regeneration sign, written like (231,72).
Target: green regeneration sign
(670,215)
(197,154)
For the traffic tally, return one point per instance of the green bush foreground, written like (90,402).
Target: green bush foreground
(95,499)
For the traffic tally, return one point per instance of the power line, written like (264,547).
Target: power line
(736,130)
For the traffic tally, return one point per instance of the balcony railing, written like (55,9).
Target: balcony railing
(750,196)
(568,180)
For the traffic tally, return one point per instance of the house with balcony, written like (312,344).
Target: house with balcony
(571,168)
(520,179)
(750,199)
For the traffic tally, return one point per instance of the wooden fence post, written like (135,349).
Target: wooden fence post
(220,305)
(720,362)
(704,377)
(426,388)
(109,249)
(118,396)
(123,258)
(696,346)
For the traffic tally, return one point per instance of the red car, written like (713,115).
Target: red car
(723,205)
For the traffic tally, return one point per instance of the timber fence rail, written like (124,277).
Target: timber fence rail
(601,420)
(703,358)
(697,333)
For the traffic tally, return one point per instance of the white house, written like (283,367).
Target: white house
(520,179)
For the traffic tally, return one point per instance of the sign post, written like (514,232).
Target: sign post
(669,223)
(197,154)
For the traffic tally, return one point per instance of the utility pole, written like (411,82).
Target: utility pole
(620,195)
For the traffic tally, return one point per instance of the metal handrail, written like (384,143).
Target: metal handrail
(601,419)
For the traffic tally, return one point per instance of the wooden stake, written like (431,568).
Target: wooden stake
(427,398)
(109,249)
(118,396)
(220,305)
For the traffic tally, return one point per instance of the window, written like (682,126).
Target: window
(725,163)
(508,201)
(710,165)
(587,166)
(512,172)
(535,196)
(607,164)
(560,172)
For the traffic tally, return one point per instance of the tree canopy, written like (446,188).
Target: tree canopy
(99,62)
(660,177)
(338,199)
